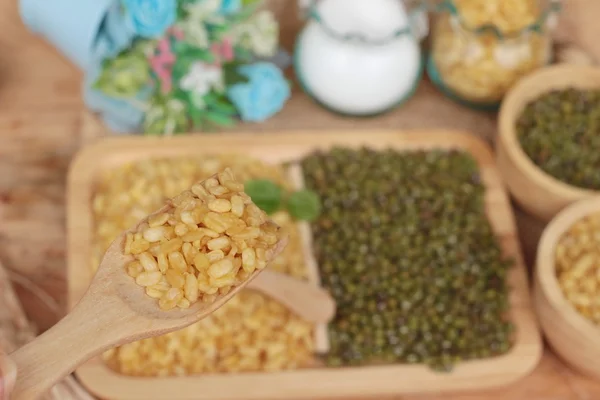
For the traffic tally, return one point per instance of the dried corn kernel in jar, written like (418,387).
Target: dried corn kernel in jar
(481,48)
(577,259)
(120,200)
(206,211)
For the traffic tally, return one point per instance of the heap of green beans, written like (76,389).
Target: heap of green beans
(560,132)
(405,248)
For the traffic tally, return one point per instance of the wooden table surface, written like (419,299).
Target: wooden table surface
(41,124)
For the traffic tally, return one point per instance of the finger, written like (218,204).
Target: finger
(8,374)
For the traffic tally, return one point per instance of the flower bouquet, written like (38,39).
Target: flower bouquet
(186,65)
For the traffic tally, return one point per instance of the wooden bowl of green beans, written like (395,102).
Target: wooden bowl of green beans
(548,143)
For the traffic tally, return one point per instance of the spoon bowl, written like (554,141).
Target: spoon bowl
(110,280)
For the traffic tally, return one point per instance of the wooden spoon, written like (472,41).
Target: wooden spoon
(113,311)
(309,302)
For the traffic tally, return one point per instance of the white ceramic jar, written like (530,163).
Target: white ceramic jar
(360,57)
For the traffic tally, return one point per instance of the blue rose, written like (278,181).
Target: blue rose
(263,95)
(150,18)
(230,6)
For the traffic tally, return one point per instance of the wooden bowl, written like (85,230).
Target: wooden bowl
(534,190)
(573,337)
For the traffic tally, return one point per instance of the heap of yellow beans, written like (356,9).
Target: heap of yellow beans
(210,240)
(249,333)
(578,266)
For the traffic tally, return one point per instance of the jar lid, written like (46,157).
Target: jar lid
(369,23)
(547,18)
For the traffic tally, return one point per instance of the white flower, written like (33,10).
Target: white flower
(260,34)
(194,26)
(205,11)
(195,33)
(201,78)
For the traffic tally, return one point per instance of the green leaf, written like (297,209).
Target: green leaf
(304,205)
(180,68)
(243,54)
(219,119)
(196,117)
(186,56)
(181,95)
(231,76)
(197,54)
(216,32)
(224,108)
(182,5)
(265,194)
(165,116)
(197,101)
(220,104)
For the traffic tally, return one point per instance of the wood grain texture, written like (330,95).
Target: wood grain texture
(42,123)
(537,192)
(573,337)
(324,382)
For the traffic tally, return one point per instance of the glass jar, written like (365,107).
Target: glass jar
(360,57)
(479,49)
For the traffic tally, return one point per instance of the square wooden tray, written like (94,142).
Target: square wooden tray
(314,382)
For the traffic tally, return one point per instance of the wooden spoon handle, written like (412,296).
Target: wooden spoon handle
(88,330)
(309,302)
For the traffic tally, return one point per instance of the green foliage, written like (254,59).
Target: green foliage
(266,194)
(220,104)
(165,116)
(125,75)
(302,205)
(185,57)
(243,55)
(181,8)
(231,75)
(208,112)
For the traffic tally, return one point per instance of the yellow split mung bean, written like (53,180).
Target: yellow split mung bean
(577,260)
(223,238)
(272,338)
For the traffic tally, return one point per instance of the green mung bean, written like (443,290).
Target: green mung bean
(560,132)
(405,248)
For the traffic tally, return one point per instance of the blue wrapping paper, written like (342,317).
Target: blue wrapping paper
(121,115)
(82,30)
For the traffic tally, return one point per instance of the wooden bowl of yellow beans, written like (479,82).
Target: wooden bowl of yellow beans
(567,285)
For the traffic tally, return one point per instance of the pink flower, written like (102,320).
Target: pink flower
(222,51)
(227,50)
(177,33)
(161,64)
